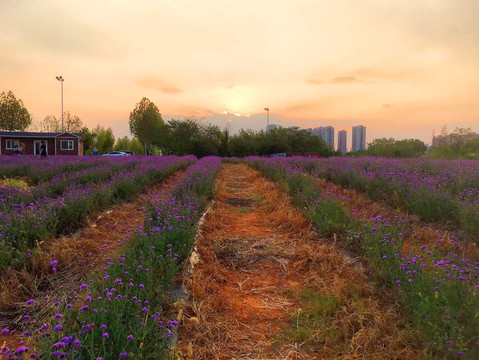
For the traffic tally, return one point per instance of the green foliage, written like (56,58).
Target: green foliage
(457,145)
(396,148)
(103,139)
(49,124)
(126,143)
(14,116)
(146,123)
(189,136)
(283,140)
(243,144)
(88,141)
(71,123)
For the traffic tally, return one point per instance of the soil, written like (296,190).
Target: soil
(267,287)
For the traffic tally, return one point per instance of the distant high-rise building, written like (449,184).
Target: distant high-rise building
(342,141)
(271,127)
(359,138)
(326,133)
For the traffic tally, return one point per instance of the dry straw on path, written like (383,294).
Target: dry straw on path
(266,287)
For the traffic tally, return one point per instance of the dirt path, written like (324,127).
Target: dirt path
(85,251)
(267,288)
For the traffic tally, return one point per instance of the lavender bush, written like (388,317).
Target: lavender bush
(118,313)
(22,225)
(439,292)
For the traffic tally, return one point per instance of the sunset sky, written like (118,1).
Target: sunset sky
(401,68)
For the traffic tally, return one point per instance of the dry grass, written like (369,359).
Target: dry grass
(243,304)
(15,182)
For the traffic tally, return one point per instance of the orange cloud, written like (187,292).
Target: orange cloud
(343,80)
(157,83)
(191,112)
(171,90)
(387,106)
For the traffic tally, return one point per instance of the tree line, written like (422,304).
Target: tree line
(151,135)
(188,136)
(393,148)
(460,144)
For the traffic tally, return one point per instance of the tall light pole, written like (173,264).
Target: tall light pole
(267,118)
(61,79)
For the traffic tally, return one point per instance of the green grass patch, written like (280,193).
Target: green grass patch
(244,211)
(312,324)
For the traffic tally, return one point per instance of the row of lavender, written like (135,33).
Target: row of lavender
(439,292)
(36,170)
(118,312)
(96,172)
(436,190)
(25,224)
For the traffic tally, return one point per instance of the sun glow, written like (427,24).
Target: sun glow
(227,112)
(237,100)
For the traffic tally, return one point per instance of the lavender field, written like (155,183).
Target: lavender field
(437,278)
(414,234)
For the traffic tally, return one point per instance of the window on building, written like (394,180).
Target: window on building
(12,144)
(67,144)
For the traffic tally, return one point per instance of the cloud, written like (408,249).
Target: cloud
(171,90)
(227,112)
(151,82)
(314,81)
(387,106)
(193,112)
(343,80)
(157,83)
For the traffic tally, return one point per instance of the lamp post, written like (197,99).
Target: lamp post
(267,118)
(61,79)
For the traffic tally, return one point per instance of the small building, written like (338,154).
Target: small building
(29,143)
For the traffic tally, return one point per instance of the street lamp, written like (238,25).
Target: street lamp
(267,118)
(61,79)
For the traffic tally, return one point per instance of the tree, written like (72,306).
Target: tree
(181,136)
(50,124)
(243,144)
(126,144)
(104,139)
(146,123)
(280,140)
(88,141)
(136,146)
(71,123)
(13,114)
(395,148)
(458,145)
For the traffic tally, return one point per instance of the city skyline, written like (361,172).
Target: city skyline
(392,67)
